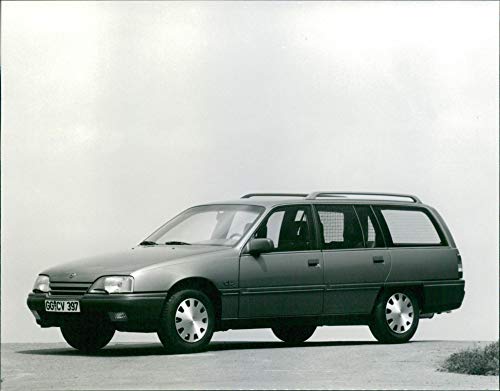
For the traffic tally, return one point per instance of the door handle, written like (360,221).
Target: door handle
(378,259)
(313,262)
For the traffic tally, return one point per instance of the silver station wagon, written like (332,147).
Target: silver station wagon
(289,262)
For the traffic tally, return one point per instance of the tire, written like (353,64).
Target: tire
(187,322)
(403,308)
(88,335)
(294,334)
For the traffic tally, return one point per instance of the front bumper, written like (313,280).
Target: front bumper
(143,310)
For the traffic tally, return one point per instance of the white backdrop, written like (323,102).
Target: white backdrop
(117,115)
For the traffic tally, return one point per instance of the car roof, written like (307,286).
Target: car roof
(268,201)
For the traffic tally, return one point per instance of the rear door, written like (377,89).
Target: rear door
(355,257)
(289,280)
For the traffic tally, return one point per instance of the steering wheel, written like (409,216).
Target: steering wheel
(235,236)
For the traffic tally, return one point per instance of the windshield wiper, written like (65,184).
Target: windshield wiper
(177,243)
(147,243)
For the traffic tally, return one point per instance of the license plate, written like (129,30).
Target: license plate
(62,306)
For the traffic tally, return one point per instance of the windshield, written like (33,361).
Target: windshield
(216,225)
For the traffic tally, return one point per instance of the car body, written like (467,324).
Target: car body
(286,261)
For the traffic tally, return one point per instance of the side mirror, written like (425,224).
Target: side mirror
(256,247)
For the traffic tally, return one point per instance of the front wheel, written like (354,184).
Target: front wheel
(294,334)
(88,335)
(187,322)
(395,317)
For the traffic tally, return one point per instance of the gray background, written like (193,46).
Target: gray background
(116,116)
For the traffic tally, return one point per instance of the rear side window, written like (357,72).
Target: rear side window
(410,227)
(339,227)
(371,230)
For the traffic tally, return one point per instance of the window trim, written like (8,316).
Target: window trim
(387,234)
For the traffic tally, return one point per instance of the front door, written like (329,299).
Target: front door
(356,259)
(289,280)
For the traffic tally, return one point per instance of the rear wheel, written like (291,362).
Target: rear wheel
(395,317)
(88,335)
(294,334)
(187,322)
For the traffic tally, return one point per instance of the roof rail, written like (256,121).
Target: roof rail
(316,194)
(250,195)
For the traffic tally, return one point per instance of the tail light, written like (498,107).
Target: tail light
(460,269)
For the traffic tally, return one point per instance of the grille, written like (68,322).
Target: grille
(69,288)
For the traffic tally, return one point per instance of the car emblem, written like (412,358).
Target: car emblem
(72,275)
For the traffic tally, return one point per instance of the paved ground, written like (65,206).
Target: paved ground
(237,365)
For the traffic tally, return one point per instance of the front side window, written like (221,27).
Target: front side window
(339,227)
(289,228)
(410,227)
(217,225)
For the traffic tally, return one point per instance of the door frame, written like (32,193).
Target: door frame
(313,232)
(365,292)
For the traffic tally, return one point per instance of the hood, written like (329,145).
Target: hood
(123,263)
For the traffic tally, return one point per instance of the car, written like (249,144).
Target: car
(286,261)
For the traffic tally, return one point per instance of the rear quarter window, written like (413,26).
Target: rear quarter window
(411,227)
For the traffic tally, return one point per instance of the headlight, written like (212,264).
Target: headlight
(41,284)
(113,284)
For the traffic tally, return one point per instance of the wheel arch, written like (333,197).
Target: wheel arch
(202,284)
(416,289)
